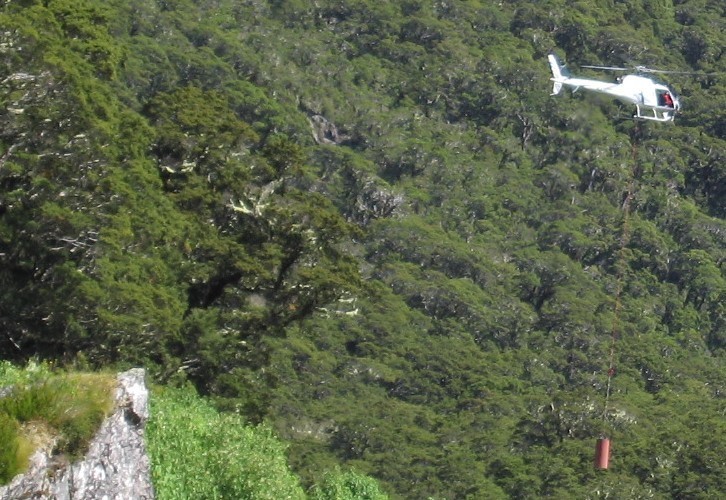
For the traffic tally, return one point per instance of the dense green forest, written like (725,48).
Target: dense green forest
(370,226)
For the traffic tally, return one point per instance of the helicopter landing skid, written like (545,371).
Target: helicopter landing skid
(660,114)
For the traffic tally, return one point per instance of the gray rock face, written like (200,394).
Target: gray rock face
(116,465)
(325,132)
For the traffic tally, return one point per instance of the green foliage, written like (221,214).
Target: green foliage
(348,485)
(29,403)
(426,284)
(29,374)
(197,452)
(9,463)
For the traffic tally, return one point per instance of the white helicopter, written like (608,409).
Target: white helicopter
(653,101)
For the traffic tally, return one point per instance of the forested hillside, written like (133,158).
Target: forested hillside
(370,225)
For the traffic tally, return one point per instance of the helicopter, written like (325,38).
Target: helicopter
(653,101)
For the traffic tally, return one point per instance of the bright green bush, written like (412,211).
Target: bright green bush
(348,485)
(198,453)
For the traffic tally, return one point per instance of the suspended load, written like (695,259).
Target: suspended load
(602,453)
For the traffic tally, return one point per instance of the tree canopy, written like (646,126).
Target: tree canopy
(370,225)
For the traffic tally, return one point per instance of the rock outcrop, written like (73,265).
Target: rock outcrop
(116,465)
(325,132)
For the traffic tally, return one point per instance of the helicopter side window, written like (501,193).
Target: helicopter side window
(665,99)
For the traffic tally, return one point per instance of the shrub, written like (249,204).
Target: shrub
(26,403)
(13,375)
(198,453)
(348,485)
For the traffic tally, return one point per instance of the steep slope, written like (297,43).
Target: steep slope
(371,225)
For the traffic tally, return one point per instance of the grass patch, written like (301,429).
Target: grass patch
(85,401)
(67,407)
(9,465)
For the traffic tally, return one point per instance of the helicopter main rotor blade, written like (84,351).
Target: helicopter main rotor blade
(645,69)
(612,68)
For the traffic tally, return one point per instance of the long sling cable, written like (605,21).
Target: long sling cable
(620,270)
(602,451)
